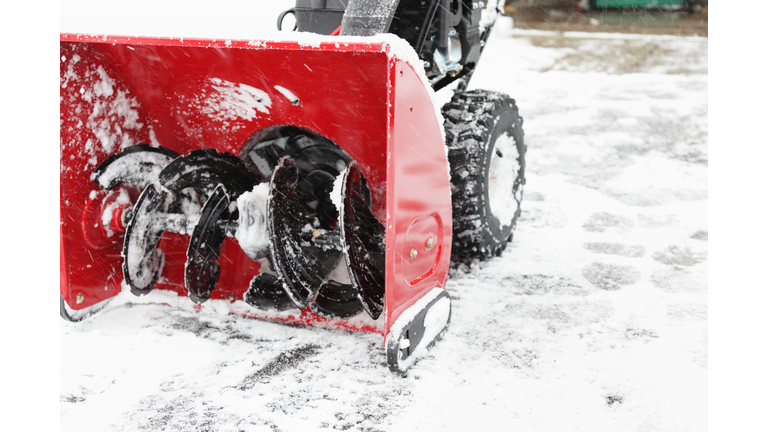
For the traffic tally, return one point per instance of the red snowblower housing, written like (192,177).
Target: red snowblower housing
(303,181)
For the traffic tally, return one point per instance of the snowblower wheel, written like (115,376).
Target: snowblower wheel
(486,151)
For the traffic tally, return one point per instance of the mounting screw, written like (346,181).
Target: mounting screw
(316,233)
(412,253)
(80,298)
(430,243)
(232,298)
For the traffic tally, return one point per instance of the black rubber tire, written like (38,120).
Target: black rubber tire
(473,122)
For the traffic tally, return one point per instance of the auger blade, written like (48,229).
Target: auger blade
(267,293)
(142,261)
(201,273)
(363,238)
(286,217)
(336,300)
(205,169)
(139,165)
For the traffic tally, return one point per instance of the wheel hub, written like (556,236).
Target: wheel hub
(502,173)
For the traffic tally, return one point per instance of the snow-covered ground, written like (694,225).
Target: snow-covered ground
(594,318)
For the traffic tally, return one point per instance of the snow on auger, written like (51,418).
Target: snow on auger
(303,180)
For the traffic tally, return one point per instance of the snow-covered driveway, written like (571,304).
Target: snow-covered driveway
(594,318)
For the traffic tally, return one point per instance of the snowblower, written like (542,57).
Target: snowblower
(308,180)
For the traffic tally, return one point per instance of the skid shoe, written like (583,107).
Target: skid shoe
(417,329)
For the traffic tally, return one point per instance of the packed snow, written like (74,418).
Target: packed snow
(594,318)
(230,101)
(251,234)
(139,168)
(113,116)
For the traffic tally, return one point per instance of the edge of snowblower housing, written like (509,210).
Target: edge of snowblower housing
(364,94)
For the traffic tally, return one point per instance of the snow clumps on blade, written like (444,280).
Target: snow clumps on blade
(140,168)
(252,227)
(338,185)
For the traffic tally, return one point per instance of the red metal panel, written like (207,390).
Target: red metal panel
(96,117)
(418,196)
(63,267)
(341,89)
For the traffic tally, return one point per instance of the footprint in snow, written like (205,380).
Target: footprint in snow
(676,280)
(631,251)
(610,277)
(600,222)
(679,256)
(701,235)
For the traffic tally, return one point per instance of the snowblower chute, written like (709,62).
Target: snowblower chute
(304,181)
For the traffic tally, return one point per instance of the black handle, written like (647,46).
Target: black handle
(282,15)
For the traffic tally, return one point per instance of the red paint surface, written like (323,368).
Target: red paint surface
(418,190)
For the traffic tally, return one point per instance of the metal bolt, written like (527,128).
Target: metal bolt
(412,253)
(232,298)
(430,243)
(80,298)
(316,233)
